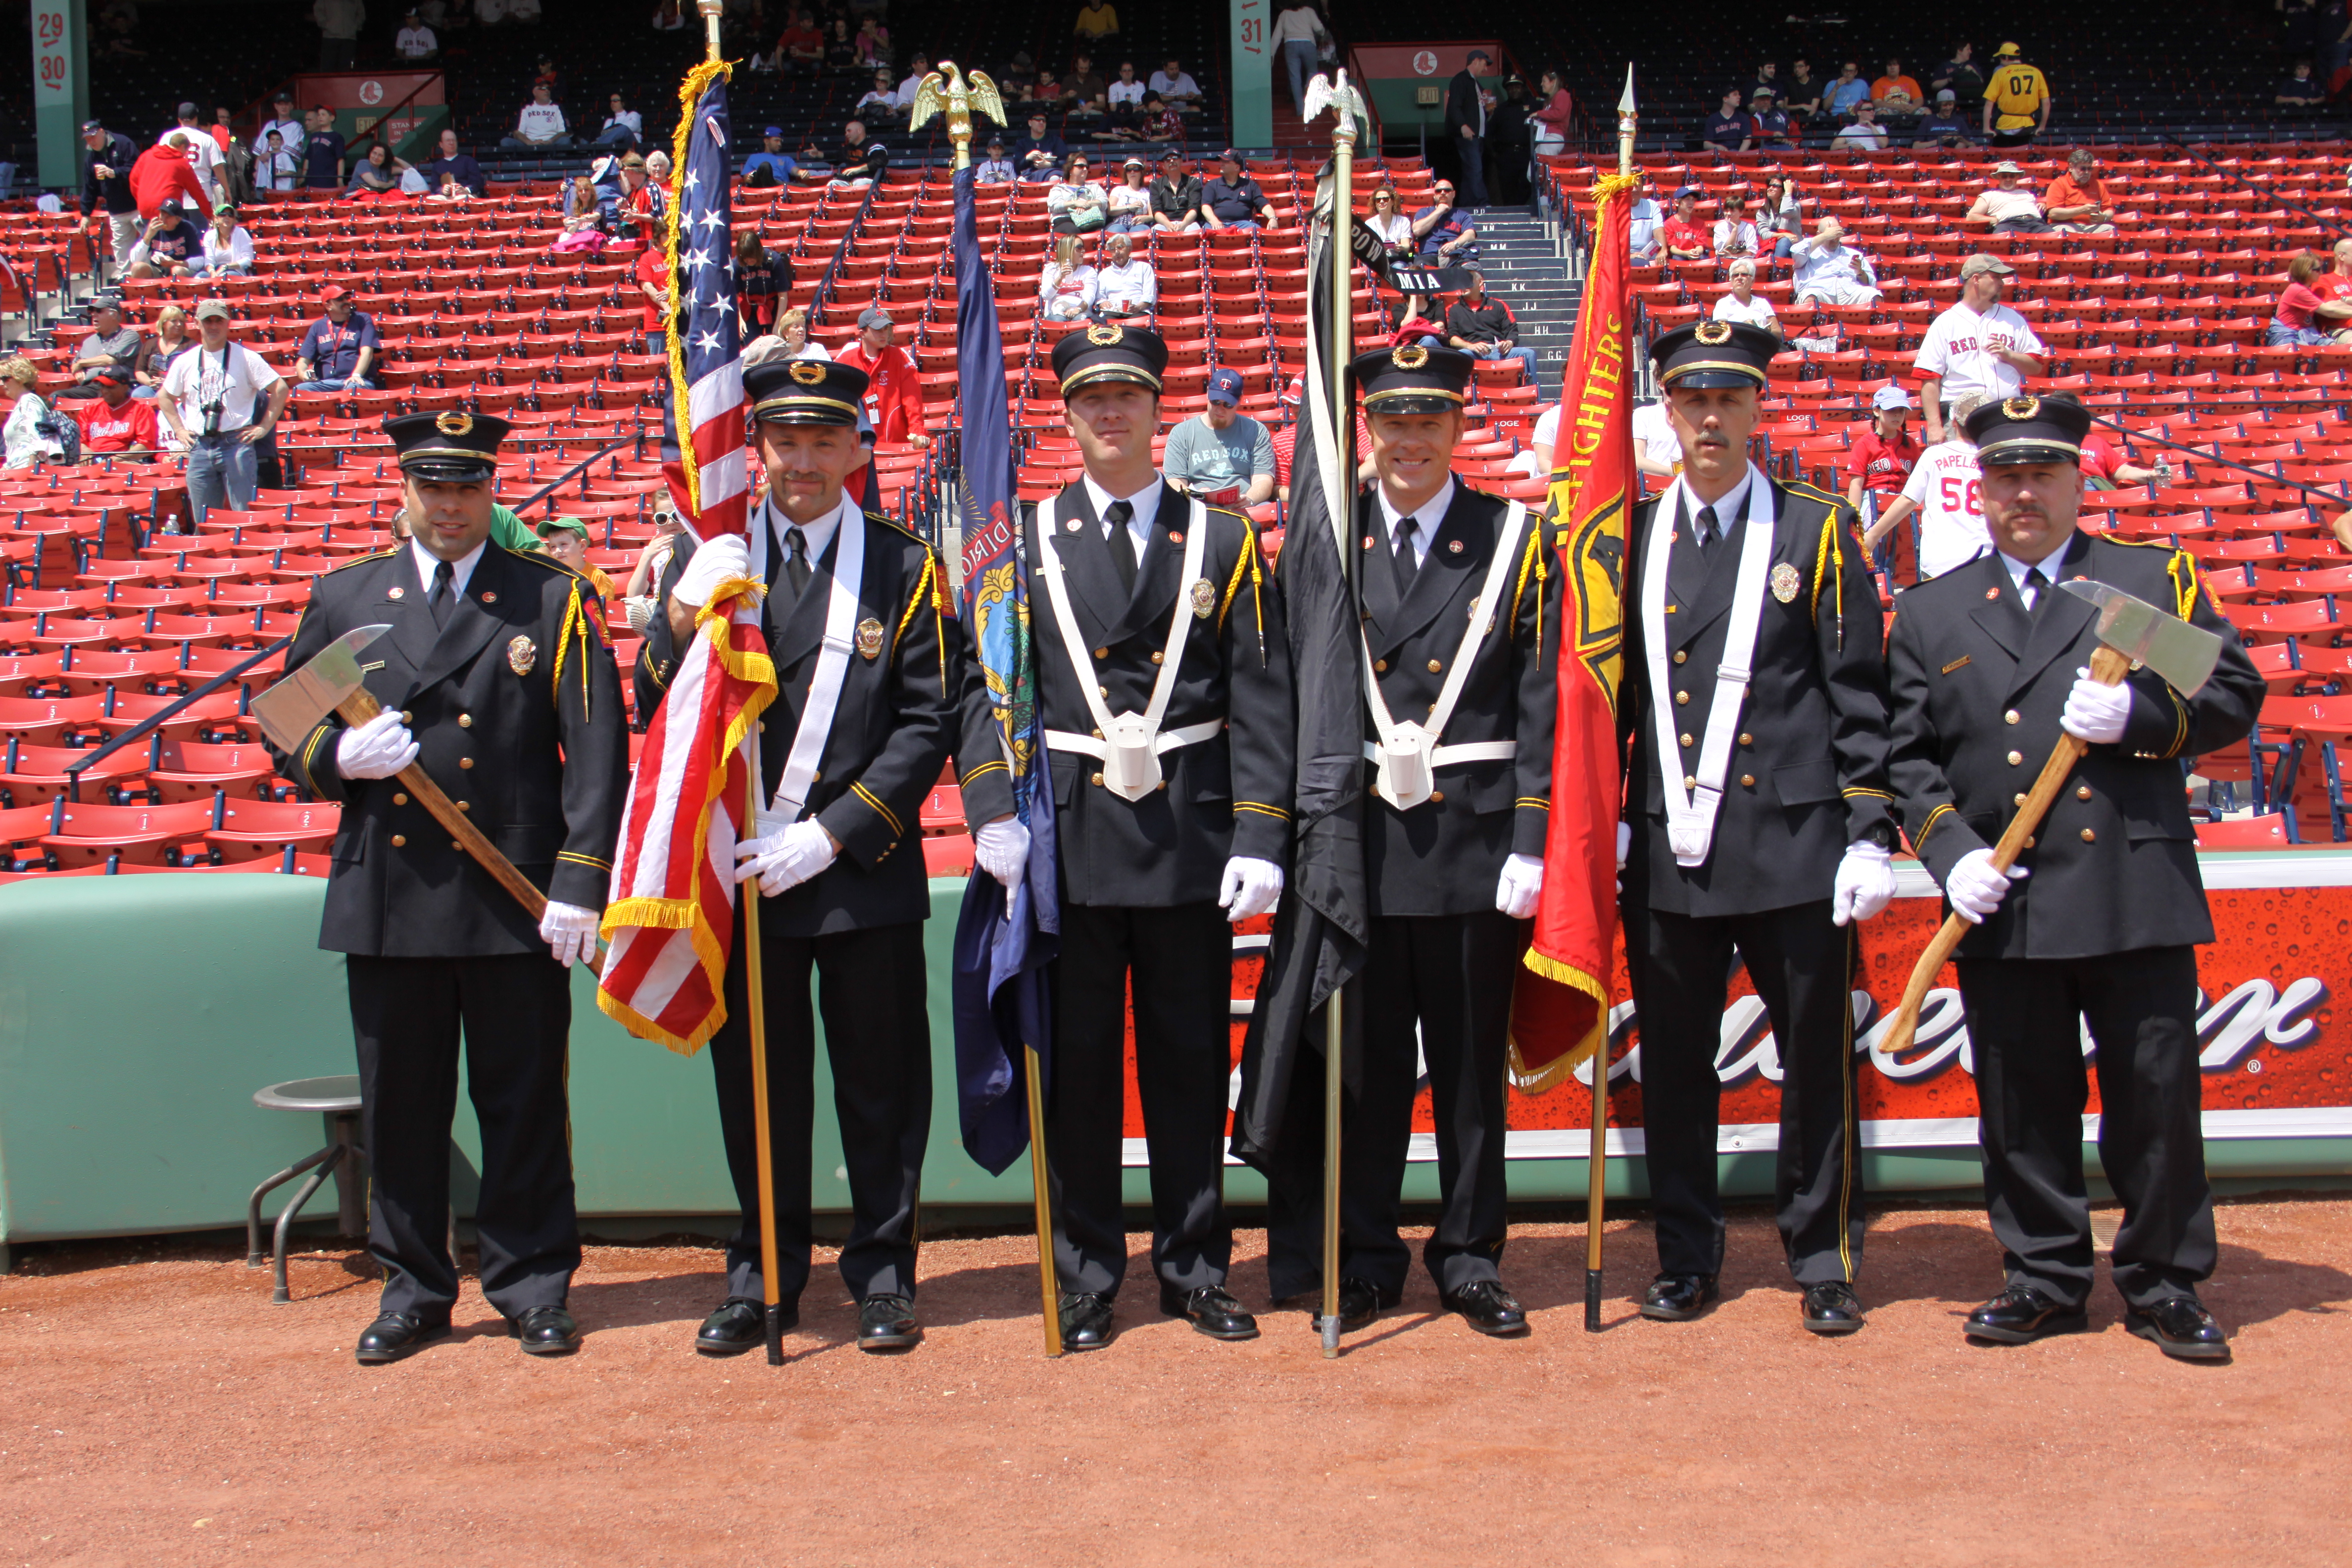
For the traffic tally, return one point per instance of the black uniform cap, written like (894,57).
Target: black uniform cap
(2029,430)
(1411,379)
(1107,351)
(804,391)
(452,446)
(1715,354)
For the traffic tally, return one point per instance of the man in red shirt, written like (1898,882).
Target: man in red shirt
(653,284)
(163,173)
(1683,239)
(893,401)
(1877,464)
(116,422)
(2103,463)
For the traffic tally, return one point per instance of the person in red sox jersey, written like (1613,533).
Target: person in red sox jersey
(893,401)
(1880,460)
(116,422)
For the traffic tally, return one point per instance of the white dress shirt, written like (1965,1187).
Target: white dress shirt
(1145,501)
(2020,571)
(1427,519)
(818,534)
(461,571)
(1730,507)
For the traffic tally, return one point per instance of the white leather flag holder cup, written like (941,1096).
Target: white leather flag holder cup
(1692,800)
(1407,756)
(832,670)
(1129,745)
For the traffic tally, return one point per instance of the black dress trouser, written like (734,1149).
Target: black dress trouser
(1180,963)
(870,990)
(1800,962)
(515,1014)
(2025,1018)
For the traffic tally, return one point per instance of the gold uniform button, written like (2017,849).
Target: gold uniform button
(1097,734)
(1105,690)
(1435,665)
(1681,696)
(2010,716)
(465,721)
(1437,797)
(2082,791)
(2018,799)
(469,762)
(763,726)
(1686,739)
(2089,837)
(1748,780)
(2029,841)
(464,806)
(1381,667)
(1745,738)
(406,717)
(1158,658)
(2015,758)
(455,845)
(1689,783)
(1681,656)
(399,842)
(1099,778)
(399,799)
(1102,653)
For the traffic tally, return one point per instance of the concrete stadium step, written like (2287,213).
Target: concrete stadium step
(1521,255)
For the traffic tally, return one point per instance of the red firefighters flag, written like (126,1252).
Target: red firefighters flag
(1560,1011)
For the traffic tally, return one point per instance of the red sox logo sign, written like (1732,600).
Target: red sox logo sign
(1424,63)
(371,92)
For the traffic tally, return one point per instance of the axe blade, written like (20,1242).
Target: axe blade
(290,710)
(2183,654)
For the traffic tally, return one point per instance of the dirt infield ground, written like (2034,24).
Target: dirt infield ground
(156,1408)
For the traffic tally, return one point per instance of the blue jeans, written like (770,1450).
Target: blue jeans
(367,384)
(516,144)
(221,472)
(615,136)
(2280,335)
(1299,60)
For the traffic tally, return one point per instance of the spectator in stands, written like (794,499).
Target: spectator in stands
(2008,206)
(1483,327)
(1172,82)
(539,127)
(1734,233)
(872,42)
(840,47)
(764,279)
(1942,126)
(587,221)
(893,401)
(1683,238)
(451,161)
(771,165)
(1865,134)
(106,183)
(1978,348)
(115,423)
(378,173)
(1894,93)
(1959,76)
(1768,124)
(214,400)
(282,120)
(1880,459)
(1644,226)
(860,163)
(1943,489)
(1442,232)
(339,350)
(565,539)
(1041,151)
(1390,226)
(1549,125)
(339,31)
(2299,90)
(164,173)
(995,168)
(1727,128)
(2291,319)
(416,43)
(1131,199)
(656,176)
(652,278)
(1779,219)
(2017,100)
(1066,282)
(322,152)
(1162,121)
(881,100)
(276,169)
(1801,95)
(1849,92)
(1220,454)
(1286,441)
(1234,200)
(2105,467)
(2334,288)
(624,127)
(171,246)
(156,354)
(1744,303)
(1126,97)
(1175,195)
(791,328)
(1074,202)
(1658,450)
(800,47)
(1098,20)
(110,346)
(912,82)
(1465,112)
(2078,201)
(1125,284)
(228,245)
(1832,272)
(20,390)
(1089,95)
(1297,30)
(1767,76)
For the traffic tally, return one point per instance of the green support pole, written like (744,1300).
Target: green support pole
(60,89)
(1250,82)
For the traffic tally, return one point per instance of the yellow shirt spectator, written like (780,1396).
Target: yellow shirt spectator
(2016,95)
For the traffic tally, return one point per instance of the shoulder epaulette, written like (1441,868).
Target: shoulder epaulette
(1815,492)
(363,560)
(2137,544)
(893,523)
(538,558)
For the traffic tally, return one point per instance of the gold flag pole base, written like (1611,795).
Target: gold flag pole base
(756,1027)
(1046,1283)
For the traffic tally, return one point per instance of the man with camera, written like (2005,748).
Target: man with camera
(214,400)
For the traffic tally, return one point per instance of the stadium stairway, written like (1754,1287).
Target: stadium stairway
(1526,266)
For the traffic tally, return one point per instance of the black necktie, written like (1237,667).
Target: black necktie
(1706,530)
(444,597)
(1402,559)
(1118,514)
(2040,586)
(796,561)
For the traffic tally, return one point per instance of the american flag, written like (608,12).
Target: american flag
(670,918)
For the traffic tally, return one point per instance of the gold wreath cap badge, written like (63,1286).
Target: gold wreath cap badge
(1713,332)
(807,372)
(455,422)
(1104,333)
(2022,408)
(1408,356)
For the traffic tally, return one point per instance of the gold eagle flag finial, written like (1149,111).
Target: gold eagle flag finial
(948,92)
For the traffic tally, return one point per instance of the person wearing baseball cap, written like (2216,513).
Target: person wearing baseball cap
(1942,123)
(221,400)
(771,165)
(228,245)
(339,349)
(114,422)
(2008,204)
(1990,669)
(893,400)
(290,132)
(1977,347)
(1220,454)
(566,539)
(1880,461)
(1176,196)
(1164,690)
(2016,100)
(1234,200)
(108,160)
(995,168)
(1767,827)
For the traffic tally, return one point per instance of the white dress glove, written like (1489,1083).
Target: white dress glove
(1977,890)
(2096,713)
(1522,880)
(1001,848)
(375,750)
(1866,883)
(1624,843)
(570,932)
(716,559)
(785,860)
(1251,887)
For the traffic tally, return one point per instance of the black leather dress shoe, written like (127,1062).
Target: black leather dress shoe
(544,1330)
(1212,1309)
(2021,1315)
(2181,1328)
(1486,1307)
(735,1326)
(1360,1304)
(395,1336)
(886,1322)
(1086,1321)
(1679,1297)
(1832,1308)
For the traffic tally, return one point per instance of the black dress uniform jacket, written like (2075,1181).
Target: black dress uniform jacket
(516,704)
(1807,776)
(1979,685)
(1230,795)
(1445,856)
